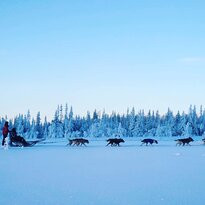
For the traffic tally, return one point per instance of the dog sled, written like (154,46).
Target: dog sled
(18,141)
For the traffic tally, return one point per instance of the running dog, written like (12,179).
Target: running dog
(149,141)
(184,141)
(78,142)
(115,142)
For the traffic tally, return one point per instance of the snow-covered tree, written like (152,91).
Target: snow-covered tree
(38,126)
(131,124)
(188,130)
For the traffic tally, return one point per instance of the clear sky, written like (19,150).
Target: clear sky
(103,54)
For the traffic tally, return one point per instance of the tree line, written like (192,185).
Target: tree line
(132,124)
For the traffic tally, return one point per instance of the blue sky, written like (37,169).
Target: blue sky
(101,54)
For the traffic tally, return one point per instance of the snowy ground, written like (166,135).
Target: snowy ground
(53,174)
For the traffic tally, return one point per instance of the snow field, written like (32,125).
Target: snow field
(53,174)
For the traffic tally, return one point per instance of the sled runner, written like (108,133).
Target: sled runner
(18,143)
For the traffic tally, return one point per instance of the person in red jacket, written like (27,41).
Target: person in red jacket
(5,132)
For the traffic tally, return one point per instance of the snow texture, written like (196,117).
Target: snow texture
(53,174)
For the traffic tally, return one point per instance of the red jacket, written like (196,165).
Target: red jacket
(5,131)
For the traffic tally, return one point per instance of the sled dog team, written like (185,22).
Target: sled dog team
(19,141)
(116,141)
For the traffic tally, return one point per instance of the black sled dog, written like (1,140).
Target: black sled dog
(184,141)
(148,141)
(78,142)
(115,142)
(203,141)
